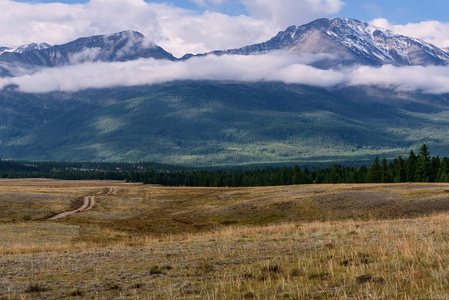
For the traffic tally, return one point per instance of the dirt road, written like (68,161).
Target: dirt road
(88,203)
(111,191)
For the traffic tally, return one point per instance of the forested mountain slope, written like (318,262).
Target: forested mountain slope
(212,123)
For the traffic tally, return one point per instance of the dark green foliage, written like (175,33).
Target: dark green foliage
(220,123)
(399,170)
(410,167)
(422,168)
(386,171)
(375,172)
(443,171)
(79,171)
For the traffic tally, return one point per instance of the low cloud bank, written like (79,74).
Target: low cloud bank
(270,67)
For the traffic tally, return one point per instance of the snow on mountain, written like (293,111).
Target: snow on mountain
(4,48)
(31,47)
(342,41)
(25,48)
(349,41)
(122,46)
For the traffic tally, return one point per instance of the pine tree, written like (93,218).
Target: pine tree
(297,175)
(435,164)
(443,170)
(400,175)
(374,172)
(423,164)
(410,167)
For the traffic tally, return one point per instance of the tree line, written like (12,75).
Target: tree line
(419,167)
(416,168)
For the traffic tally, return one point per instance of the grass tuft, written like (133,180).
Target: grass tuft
(76,293)
(35,287)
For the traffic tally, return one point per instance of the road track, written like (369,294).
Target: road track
(88,203)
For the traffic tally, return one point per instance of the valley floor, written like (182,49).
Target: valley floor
(152,242)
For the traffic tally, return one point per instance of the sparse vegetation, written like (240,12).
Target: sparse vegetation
(385,241)
(35,287)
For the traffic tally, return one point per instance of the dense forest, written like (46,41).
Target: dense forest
(415,168)
(79,170)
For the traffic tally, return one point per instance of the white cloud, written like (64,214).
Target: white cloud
(88,54)
(22,23)
(270,67)
(149,71)
(431,79)
(56,23)
(177,30)
(211,31)
(433,32)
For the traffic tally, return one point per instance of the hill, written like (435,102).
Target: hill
(220,123)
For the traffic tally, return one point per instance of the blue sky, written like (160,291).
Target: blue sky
(397,12)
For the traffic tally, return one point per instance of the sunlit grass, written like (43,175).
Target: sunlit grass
(297,242)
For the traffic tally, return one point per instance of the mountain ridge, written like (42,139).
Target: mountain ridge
(121,46)
(357,42)
(349,41)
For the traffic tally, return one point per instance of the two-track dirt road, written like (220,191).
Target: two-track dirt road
(88,203)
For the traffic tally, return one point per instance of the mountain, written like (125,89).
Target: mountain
(221,123)
(206,123)
(345,41)
(25,48)
(4,70)
(350,42)
(122,46)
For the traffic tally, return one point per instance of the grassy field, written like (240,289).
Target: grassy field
(152,242)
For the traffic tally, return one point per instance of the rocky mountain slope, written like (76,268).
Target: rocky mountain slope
(122,46)
(350,42)
(346,41)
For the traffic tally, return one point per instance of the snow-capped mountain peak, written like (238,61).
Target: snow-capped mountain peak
(387,46)
(4,48)
(342,41)
(121,46)
(24,48)
(31,47)
(350,41)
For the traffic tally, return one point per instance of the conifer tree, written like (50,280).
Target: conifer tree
(410,167)
(374,172)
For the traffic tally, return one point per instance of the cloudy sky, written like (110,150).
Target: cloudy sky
(197,26)
(182,26)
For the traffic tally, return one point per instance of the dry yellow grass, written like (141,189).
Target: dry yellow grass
(299,242)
